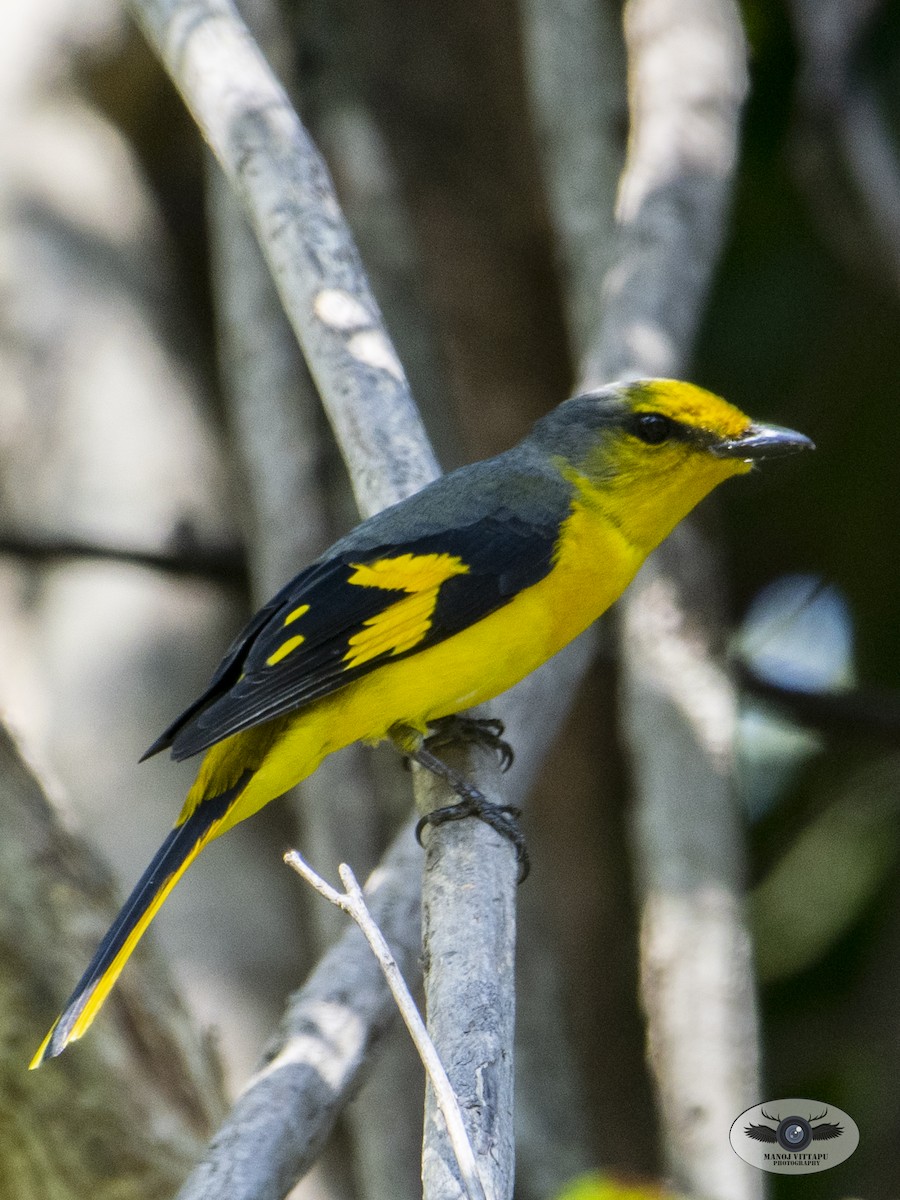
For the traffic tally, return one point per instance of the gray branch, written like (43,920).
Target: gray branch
(576,78)
(462,896)
(286,1111)
(687,79)
(283,183)
(279,1124)
(283,1117)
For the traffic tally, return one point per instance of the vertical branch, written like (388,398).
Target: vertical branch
(687,79)
(678,713)
(576,77)
(471,1012)
(575,74)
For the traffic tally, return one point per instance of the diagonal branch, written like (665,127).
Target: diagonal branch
(283,183)
(274,167)
(283,1116)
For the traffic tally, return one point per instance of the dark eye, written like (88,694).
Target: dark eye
(653,428)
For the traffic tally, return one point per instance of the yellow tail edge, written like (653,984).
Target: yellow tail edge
(83,1006)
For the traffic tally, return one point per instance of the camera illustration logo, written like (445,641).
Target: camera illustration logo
(794,1137)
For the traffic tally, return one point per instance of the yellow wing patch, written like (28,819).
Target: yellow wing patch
(298,612)
(396,629)
(408,572)
(284,649)
(404,624)
(400,626)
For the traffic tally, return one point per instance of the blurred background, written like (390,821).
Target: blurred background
(131,551)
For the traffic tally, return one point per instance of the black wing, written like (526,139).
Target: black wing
(350,612)
(822,1133)
(760,1133)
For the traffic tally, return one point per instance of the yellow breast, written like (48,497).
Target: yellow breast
(593,565)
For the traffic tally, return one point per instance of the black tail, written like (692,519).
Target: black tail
(169,863)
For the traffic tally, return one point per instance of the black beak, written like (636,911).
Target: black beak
(762,441)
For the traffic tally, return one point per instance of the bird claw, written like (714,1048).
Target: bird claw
(502,818)
(479,731)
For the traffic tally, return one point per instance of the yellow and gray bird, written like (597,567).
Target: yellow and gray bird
(435,605)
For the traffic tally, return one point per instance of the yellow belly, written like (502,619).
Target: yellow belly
(594,565)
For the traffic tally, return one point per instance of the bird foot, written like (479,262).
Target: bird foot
(478,731)
(502,818)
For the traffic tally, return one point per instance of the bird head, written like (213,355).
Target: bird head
(647,451)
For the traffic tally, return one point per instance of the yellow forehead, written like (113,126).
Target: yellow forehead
(691,405)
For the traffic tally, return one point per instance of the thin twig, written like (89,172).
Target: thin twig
(281,1120)
(188,559)
(352,902)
